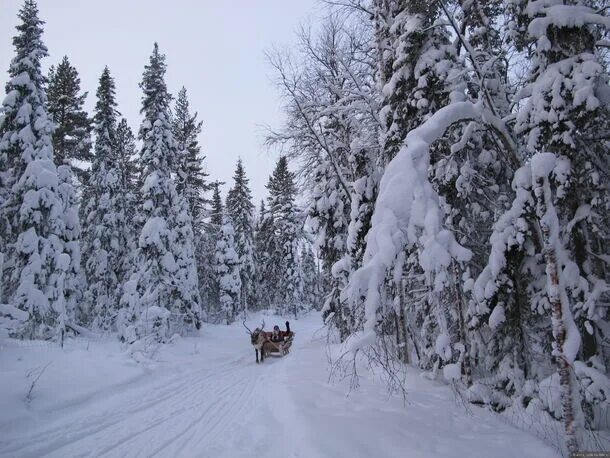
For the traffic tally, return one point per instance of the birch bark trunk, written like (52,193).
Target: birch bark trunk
(541,187)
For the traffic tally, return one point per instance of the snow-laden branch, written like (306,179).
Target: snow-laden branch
(408,213)
(560,15)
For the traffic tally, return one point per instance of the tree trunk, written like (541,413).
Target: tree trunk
(401,329)
(244,298)
(461,310)
(558,320)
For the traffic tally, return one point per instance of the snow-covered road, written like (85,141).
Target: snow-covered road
(206,397)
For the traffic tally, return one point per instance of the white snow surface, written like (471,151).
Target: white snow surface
(204,396)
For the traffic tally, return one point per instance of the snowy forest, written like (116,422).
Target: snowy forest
(441,198)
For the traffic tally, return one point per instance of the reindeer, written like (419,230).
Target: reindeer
(258,338)
(261,343)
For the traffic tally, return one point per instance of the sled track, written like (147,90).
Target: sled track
(173,415)
(221,404)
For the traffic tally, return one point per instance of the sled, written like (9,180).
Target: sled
(278,348)
(263,344)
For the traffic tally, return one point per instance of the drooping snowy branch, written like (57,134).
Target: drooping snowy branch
(408,214)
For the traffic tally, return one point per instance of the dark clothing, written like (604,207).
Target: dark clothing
(279,337)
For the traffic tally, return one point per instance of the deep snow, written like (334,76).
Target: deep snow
(205,397)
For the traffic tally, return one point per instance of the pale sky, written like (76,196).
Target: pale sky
(214,48)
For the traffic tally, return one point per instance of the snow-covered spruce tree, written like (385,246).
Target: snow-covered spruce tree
(208,285)
(472,171)
(74,277)
(129,170)
(240,208)
(471,168)
(558,219)
(108,242)
(420,75)
(286,232)
(420,72)
(192,185)
(72,136)
(310,280)
(218,210)
(166,278)
(40,229)
(265,270)
(191,179)
(226,265)
(126,154)
(416,72)
(404,35)
(186,301)
(129,177)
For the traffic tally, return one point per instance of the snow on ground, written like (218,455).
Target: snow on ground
(205,397)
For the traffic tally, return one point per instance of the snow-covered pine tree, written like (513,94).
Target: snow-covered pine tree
(165,246)
(286,232)
(226,265)
(126,154)
(407,50)
(557,211)
(240,208)
(40,228)
(473,169)
(74,277)
(217,210)
(72,136)
(191,179)
(186,301)
(72,153)
(192,185)
(107,242)
(129,178)
(264,247)
(416,63)
(310,282)
(208,285)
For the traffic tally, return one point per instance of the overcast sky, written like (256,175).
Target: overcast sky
(214,48)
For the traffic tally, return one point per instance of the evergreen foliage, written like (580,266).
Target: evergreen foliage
(226,263)
(72,135)
(109,233)
(40,226)
(166,277)
(191,178)
(240,209)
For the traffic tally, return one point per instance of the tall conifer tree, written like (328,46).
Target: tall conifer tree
(72,136)
(226,264)
(108,227)
(284,216)
(167,273)
(39,221)
(191,181)
(240,209)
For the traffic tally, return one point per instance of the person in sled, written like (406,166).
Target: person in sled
(277,335)
(278,339)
